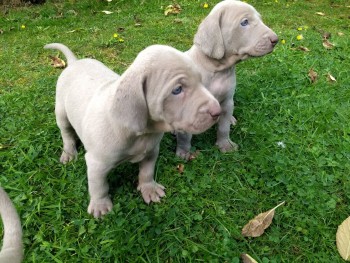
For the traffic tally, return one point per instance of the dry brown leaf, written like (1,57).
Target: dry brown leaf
(256,227)
(313,75)
(326,35)
(172,9)
(302,48)
(320,13)
(180,167)
(331,78)
(327,44)
(343,239)
(248,259)
(193,155)
(57,62)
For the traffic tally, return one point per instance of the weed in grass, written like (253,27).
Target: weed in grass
(208,204)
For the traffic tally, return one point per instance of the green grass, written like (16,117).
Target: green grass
(206,207)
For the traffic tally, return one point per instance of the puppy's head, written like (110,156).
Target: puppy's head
(234,28)
(173,91)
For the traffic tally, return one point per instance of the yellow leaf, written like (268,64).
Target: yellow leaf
(331,78)
(248,259)
(340,34)
(320,14)
(256,227)
(327,44)
(172,9)
(343,239)
(313,75)
(57,62)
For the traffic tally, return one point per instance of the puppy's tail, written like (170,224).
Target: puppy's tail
(65,50)
(12,248)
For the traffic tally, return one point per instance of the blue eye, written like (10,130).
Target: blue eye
(245,22)
(177,90)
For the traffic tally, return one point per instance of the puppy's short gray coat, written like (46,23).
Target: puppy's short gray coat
(233,31)
(122,118)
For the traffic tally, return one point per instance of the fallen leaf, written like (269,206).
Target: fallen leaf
(304,49)
(300,37)
(313,75)
(331,78)
(180,167)
(327,44)
(193,155)
(326,35)
(107,12)
(258,224)
(340,34)
(57,62)
(343,239)
(248,259)
(172,9)
(320,13)
(138,24)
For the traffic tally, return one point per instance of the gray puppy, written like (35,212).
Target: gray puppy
(233,31)
(122,118)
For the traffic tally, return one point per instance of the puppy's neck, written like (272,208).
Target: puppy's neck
(213,64)
(156,127)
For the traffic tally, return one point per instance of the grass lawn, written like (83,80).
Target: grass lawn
(294,138)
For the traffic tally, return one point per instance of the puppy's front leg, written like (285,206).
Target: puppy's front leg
(223,140)
(183,145)
(150,190)
(100,202)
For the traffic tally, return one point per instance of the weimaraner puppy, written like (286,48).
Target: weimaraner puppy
(123,118)
(233,31)
(12,247)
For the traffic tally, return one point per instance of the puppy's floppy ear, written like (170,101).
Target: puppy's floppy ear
(130,105)
(209,37)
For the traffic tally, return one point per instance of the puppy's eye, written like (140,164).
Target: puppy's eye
(177,90)
(245,22)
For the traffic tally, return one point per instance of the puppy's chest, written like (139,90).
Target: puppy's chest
(143,146)
(221,84)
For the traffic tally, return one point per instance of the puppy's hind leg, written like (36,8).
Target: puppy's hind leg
(150,190)
(68,134)
(97,171)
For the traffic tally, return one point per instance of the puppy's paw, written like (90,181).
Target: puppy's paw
(227,146)
(151,191)
(233,120)
(67,157)
(183,154)
(100,207)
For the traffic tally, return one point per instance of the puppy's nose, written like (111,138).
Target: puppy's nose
(215,112)
(274,39)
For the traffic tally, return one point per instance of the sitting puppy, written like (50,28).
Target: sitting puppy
(12,248)
(232,32)
(122,118)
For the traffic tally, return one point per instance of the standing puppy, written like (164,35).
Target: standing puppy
(12,247)
(122,118)
(233,31)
